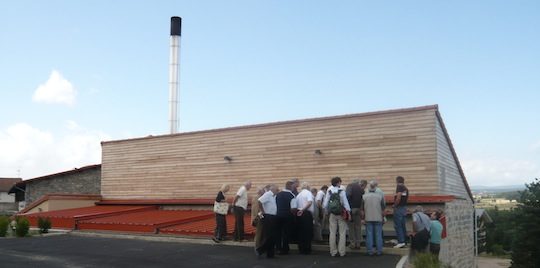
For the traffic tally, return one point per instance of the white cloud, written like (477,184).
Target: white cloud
(56,90)
(497,171)
(536,146)
(37,153)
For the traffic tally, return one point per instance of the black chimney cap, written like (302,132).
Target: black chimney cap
(176,26)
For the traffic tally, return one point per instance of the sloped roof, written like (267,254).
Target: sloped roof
(482,214)
(63,173)
(7,183)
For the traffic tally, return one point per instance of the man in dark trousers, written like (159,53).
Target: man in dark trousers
(267,205)
(240,203)
(285,217)
(355,191)
(400,211)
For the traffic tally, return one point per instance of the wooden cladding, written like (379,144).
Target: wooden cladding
(193,165)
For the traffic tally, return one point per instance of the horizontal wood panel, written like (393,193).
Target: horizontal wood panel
(379,146)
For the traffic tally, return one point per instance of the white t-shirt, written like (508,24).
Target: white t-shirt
(242,200)
(304,197)
(268,201)
(319,196)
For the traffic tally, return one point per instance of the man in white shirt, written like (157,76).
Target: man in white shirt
(268,207)
(306,207)
(337,222)
(240,203)
(321,222)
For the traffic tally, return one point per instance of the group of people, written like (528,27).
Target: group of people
(300,215)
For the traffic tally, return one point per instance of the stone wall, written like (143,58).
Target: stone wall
(87,181)
(457,249)
(8,208)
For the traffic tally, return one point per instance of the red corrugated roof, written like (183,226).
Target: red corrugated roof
(84,211)
(207,226)
(146,221)
(67,218)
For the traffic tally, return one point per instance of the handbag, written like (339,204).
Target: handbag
(255,221)
(221,207)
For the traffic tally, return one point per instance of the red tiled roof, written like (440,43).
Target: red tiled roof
(7,183)
(68,172)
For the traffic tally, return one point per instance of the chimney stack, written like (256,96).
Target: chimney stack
(174,68)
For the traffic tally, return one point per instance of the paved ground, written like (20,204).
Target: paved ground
(69,250)
(487,262)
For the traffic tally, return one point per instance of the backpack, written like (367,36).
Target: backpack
(334,203)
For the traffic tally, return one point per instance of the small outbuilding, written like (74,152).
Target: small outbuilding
(8,203)
(78,187)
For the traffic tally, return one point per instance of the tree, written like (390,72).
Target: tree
(526,246)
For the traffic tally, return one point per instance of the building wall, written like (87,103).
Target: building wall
(6,198)
(8,207)
(191,165)
(457,249)
(450,179)
(86,181)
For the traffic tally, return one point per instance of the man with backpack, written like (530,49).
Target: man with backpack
(337,206)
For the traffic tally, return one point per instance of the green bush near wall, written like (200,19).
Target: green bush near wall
(23,225)
(4,225)
(44,224)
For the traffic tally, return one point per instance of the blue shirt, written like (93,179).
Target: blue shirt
(436,232)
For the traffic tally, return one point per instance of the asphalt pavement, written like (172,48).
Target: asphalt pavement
(69,250)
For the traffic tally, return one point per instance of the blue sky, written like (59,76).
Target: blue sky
(74,73)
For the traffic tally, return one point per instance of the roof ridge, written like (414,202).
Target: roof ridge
(324,118)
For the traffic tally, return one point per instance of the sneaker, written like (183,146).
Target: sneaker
(215,240)
(400,245)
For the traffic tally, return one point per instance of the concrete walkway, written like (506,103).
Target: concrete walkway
(91,250)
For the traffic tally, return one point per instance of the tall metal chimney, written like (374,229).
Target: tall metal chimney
(174,62)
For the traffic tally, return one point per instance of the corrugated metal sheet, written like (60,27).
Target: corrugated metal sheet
(67,218)
(145,221)
(207,226)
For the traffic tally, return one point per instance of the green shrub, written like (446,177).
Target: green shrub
(426,260)
(4,224)
(44,225)
(497,250)
(23,225)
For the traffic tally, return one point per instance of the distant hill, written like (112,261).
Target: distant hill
(497,189)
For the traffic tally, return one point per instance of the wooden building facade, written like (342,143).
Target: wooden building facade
(189,168)
(410,142)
